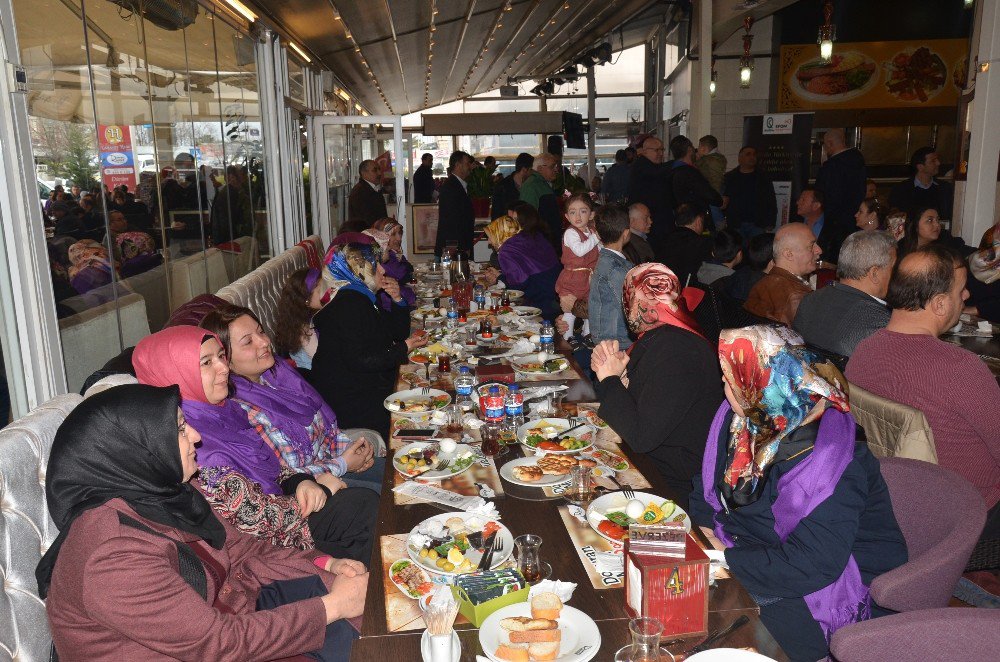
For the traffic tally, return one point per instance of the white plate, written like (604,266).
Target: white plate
(729,655)
(425,646)
(431,356)
(562,425)
(799,88)
(428,314)
(581,640)
(415,394)
(507,472)
(519,363)
(474,555)
(402,587)
(616,501)
(527,311)
(447,472)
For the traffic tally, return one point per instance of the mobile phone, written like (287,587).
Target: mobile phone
(427,433)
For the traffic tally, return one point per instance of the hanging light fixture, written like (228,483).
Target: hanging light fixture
(827,32)
(746,60)
(714,79)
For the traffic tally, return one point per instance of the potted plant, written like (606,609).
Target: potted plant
(481,190)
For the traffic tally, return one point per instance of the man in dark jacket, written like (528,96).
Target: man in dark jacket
(748,197)
(649,183)
(842,179)
(923,190)
(614,186)
(685,248)
(423,181)
(508,191)
(689,186)
(366,203)
(456,218)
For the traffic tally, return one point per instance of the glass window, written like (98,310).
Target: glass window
(625,72)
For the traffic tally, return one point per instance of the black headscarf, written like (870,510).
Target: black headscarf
(122,444)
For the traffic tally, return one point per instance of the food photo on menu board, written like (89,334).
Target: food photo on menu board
(885,74)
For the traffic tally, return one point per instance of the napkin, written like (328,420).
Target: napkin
(439,417)
(482,508)
(613,562)
(475,505)
(578,512)
(562,589)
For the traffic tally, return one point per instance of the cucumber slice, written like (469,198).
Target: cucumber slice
(668,507)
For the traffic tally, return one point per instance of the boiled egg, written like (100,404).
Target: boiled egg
(447,445)
(634,509)
(455,556)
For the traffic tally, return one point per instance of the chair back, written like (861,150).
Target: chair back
(893,429)
(91,337)
(941,634)
(941,516)
(26,529)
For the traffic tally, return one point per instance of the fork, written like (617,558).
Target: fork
(628,492)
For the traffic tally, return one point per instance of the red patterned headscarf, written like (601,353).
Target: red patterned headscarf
(652,297)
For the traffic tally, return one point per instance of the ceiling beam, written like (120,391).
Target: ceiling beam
(458,48)
(399,60)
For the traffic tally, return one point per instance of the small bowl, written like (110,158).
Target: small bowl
(486,341)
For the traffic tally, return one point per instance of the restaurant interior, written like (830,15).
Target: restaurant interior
(170,164)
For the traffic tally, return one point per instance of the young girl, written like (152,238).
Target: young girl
(304,293)
(579,257)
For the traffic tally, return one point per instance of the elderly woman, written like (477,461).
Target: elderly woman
(142,568)
(527,260)
(800,506)
(89,265)
(138,252)
(661,395)
(239,472)
(361,346)
(394,261)
(289,414)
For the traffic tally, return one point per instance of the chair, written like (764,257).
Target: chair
(941,516)
(26,529)
(893,429)
(932,634)
(260,289)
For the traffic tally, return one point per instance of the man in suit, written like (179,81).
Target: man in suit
(843,181)
(649,183)
(638,250)
(366,203)
(924,189)
(456,218)
(836,318)
(423,181)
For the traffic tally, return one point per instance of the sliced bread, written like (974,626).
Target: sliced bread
(546,605)
(533,636)
(524,624)
(513,652)
(543,651)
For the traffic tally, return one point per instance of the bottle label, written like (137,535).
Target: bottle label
(493,407)
(515,410)
(463,389)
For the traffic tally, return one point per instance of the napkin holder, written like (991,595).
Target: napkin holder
(667,578)
(478,613)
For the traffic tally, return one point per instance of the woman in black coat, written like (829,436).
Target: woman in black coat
(663,402)
(361,346)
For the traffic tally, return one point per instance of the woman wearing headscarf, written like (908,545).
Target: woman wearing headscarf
(89,265)
(393,261)
(142,568)
(239,472)
(361,346)
(288,413)
(527,260)
(660,396)
(800,506)
(138,253)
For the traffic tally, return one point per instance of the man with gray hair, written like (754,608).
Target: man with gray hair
(838,317)
(537,191)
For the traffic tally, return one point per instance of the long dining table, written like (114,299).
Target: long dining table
(527,510)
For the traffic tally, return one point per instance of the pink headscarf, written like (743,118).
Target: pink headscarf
(652,297)
(171,356)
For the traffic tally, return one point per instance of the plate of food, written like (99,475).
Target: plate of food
(415,402)
(541,435)
(429,354)
(610,515)
(530,365)
(452,543)
(592,417)
(527,311)
(548,469)
(412,580)
(542,629)
(845,76)
(427,314)
(915,75)
(609,459)
(433,461)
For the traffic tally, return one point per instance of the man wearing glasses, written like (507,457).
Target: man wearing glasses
(537,191)
(649,184)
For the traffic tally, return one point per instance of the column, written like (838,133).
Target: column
(700,118)
(591,125)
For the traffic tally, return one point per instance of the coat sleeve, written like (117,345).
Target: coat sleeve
(817,550)
(130,586)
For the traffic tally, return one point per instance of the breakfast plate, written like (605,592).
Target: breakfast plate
(530,365)
(423,461)
(414,403)
(614,508)
(443,544)
(536,434)
(411,580)
(580,638)
(522,471)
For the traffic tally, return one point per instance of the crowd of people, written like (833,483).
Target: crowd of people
(710,350)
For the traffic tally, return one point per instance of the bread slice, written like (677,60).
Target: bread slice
(533,636)
(513,652)
(524,624)
(546,605)
(540,652)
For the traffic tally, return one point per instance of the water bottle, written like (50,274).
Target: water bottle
(494,406)
(452,313)
(514,406)
(464,384)
(446,266)
(546,337)
(479,296)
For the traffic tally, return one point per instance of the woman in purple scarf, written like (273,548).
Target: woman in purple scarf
(388,233)
(527,261)
(800,506)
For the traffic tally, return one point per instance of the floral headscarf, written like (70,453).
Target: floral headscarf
(381,239)
(984,265)
(781,387)
(502,229)
(652,297)
(134,244)
(351,273)
(88,253)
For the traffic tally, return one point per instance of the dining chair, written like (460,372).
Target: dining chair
(892,429)
(930,634)
(941,517)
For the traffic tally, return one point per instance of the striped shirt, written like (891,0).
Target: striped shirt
(328,444)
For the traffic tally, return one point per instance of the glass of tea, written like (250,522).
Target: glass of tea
(454,425)
(444,362)
(529,563)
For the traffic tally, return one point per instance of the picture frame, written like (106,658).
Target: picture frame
(423,228)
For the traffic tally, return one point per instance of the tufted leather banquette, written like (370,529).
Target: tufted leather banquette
(26,530)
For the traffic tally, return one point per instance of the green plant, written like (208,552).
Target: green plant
(77,160)
(480,183)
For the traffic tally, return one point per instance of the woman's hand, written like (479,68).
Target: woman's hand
(566,302)
(418,339)
(391,287)
(358,455)
(346,598)
(310,497)
(490,274)
(331,482)
(347,567)
(607,360)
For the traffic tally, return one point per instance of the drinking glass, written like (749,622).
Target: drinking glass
(645,646)
(529,563)
(581,484)
(454,425)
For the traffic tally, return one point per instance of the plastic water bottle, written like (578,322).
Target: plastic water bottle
(464,384)
(479,296)
(514,407)
(446,266)
(452,313)
(546,337)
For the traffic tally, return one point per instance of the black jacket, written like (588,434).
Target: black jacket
(365,205)
(649,183)
(690,187)
(423,185)
(505,193)
(684,250)
(842,180)
(357,361)
(837,317)
(908,197)
(673,393)
(761,209)
(456,217)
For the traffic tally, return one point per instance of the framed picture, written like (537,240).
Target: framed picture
(423,231)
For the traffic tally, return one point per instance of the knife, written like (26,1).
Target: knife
(484,563)
(718,636)
(566,433)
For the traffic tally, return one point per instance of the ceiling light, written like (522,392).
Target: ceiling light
(712,83)
(343,94)
(242,10)
(298,50)
(746,60)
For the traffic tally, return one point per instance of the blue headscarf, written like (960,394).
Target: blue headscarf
(340,269)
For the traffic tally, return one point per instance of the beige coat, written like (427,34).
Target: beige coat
(893,429)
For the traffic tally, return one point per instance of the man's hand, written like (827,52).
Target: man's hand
(346,598)
(418,339)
